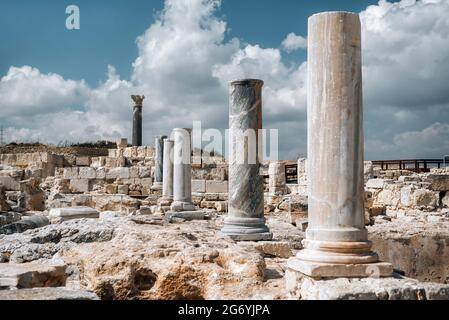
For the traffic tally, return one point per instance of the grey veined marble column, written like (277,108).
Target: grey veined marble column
(182,171)
(167,186)
(159,162)
(137,120)
(245,221)
(336,243)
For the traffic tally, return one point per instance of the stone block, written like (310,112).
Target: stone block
(146,182)
(141,152)
(71,173)
(211,197)
(10,183)
(134,172)
(425,198)
(122,189)
(111,162)
(110,189)
(377,211)
(221,206)
(375,184)
(83,161)
(216,186)
(112,153)
(388,198)
(199,186)
(79,185)
(144,172)
(98,162)
(31,275)
(100,173)
(127,152)
(438,182)
(87,173)
(118,173)
(150,152)
(207,204)
(64,214)
(223,196)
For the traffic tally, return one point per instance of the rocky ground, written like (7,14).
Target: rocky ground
(147,258)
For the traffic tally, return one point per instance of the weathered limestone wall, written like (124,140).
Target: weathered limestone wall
(38,165)
(413,195)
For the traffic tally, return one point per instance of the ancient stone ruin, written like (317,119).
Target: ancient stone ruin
(147,222)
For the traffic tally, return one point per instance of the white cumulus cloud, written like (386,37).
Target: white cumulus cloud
(294,42)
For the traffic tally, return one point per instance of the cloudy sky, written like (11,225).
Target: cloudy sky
(58,84)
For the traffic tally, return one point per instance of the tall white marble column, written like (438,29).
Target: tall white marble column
(245,221)
(159,162)
(167,185)
(182,171)
(336,243)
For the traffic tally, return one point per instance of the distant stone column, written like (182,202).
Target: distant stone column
(159,162)
(137,120)
(336,243)
(167,189)
(245,221)
(182,171)
(277,180)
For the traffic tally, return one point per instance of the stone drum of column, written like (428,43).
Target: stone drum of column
(336,233)
(167,189)
(245,221)
(182,171)
(159,162)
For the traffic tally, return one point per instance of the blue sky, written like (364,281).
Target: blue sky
(37,35)
(58,85)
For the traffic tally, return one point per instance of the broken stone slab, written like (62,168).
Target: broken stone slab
(391,288)
(26,223)
(186,215)
(64,214)
(48,294)
(159,221)
(31,275)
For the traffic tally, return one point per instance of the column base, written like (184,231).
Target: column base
(334,270)
(246,229)
(179,206)
(327,259)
